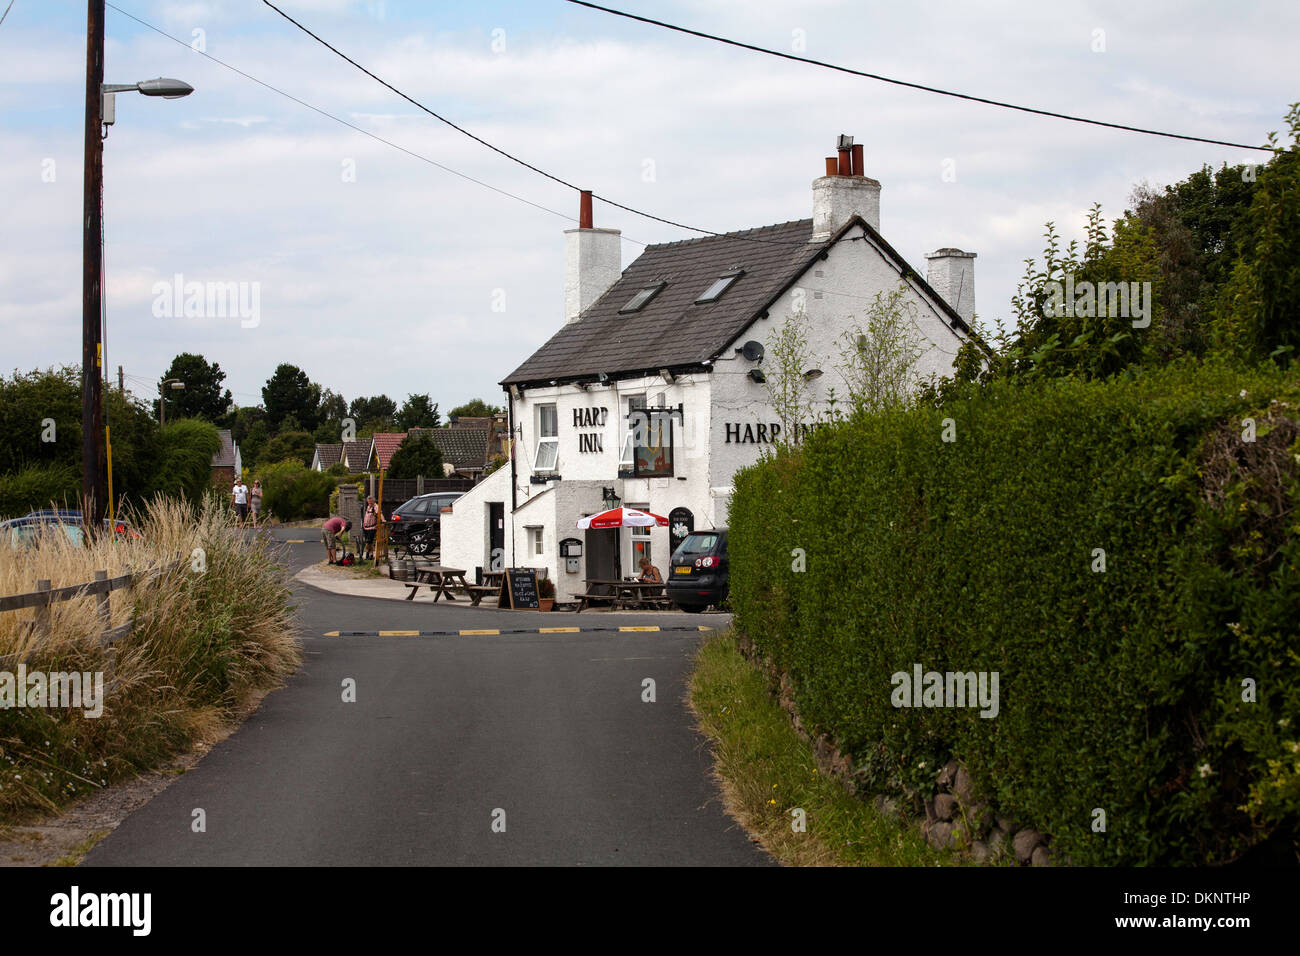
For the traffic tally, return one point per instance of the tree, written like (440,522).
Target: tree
(333,407)
(419,411)
(290,392)
(1261,301)
(788,358)
(289,446)
(202,396)
(378,410)
(474,408)
(417,455)
(879,361)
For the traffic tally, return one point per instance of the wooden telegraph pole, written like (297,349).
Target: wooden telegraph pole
(92,418)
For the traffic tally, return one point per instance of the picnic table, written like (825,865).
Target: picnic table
(621,594)
(442,581)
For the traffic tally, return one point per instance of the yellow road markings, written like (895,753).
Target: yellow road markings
(295,541)
(655,628)
(483,631)
(331,633)
(558,630)
(703,628)
(399,633)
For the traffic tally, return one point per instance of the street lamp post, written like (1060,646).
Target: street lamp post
(99,98)
(162,398)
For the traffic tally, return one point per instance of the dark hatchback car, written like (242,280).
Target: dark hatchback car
(414,524)
(698,572)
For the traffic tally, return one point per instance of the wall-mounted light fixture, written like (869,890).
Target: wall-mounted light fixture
(811,374)
(756,374)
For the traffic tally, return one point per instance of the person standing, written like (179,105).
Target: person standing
(369,525)
(330,530)
(255,500)
(239,494)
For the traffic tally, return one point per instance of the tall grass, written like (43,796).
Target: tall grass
(208,636)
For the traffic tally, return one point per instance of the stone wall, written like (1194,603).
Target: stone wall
(954,818)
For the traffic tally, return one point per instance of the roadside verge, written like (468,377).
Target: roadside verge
(770,781)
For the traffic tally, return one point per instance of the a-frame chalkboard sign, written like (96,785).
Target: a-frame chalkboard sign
(519,589)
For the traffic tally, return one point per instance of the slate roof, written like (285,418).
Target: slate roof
(461,447)
(385,444)
(225,456)
(329,456)
(357,454)
(672,330)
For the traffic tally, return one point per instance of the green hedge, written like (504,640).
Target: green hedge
(39,486)
(1120,690)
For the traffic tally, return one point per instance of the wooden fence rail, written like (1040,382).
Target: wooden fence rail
(44,597)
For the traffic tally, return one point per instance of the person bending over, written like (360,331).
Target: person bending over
(330,531)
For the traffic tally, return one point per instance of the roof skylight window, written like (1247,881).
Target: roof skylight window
(714,292)
(642,298)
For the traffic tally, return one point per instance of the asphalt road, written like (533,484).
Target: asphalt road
(547,734)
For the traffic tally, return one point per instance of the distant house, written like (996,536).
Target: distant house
(226,463)
(326,457)
(358,455)
(464,446)
(385,444)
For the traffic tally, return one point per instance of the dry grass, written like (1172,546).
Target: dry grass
(208,636)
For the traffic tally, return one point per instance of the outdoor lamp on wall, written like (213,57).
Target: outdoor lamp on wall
(756,374)
(811,374)
(610,498)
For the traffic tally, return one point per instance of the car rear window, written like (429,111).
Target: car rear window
(699,544)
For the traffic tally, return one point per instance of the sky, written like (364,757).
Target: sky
(378,271)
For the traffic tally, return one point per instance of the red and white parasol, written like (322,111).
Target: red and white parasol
(622,518)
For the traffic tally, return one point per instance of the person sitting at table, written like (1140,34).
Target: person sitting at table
(649,572)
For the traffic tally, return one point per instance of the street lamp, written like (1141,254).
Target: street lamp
(100,109)
(175,383)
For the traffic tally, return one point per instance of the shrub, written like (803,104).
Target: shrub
(1120,689)
(291,491)
(207,637)
(39,486)
(186,448)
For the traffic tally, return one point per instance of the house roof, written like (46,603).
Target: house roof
(385,444)
(461,447)
(672,331)
(225,455)
(357,454)
(329,455)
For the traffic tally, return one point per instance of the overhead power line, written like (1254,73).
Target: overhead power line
(914,86)
(496,149)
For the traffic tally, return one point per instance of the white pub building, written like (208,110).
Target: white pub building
(651,394)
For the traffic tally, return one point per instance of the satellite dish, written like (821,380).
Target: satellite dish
(752,350)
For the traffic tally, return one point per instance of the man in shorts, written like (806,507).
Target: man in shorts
(330,531)
(239,493)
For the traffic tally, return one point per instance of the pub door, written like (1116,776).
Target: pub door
(602,554)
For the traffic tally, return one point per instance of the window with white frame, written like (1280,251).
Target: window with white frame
(640,541)
(534,540)
(548,440)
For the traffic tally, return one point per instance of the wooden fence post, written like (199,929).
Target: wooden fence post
(102,601)
(43,611)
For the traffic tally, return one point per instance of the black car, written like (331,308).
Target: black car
(698,571)
(414,525)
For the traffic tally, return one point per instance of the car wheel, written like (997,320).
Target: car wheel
(691,608)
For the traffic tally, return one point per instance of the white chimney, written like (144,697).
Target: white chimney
(844,192)
(593,261)
(952,275)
